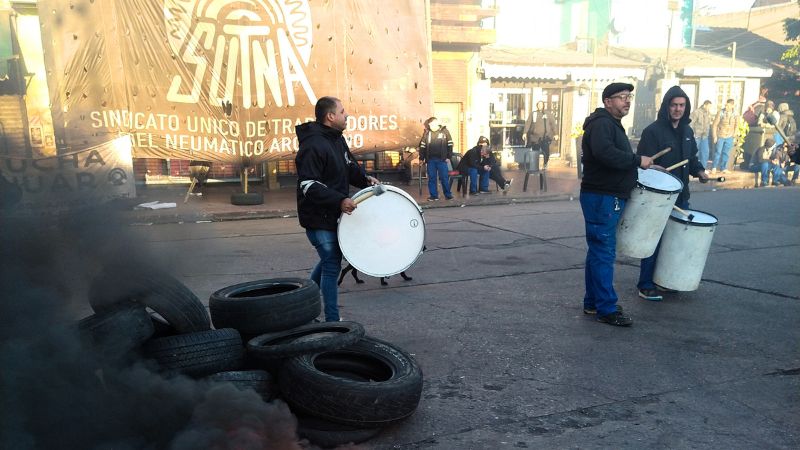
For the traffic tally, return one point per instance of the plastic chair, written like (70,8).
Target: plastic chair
(531,165)
(456,175)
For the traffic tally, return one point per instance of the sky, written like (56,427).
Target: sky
(517,24)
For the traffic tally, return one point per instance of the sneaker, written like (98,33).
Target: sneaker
(650,294)
(473,193)
(616,318)
(433,199)
(448,198)
(665,290)
(725,171)
(713,171)
(594,310)
(486,192)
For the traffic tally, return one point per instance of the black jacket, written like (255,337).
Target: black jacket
(660,135)
(325,171)
(470,159)
(436,144)
(609,164)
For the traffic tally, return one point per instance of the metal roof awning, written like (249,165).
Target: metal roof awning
(566,73)
(525,72)
(738,72)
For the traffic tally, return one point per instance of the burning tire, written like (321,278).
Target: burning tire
(198,354)
(258,380)
(328,434)
(162,293)
(311,338)
(117,331)
(264,306)
(367,385)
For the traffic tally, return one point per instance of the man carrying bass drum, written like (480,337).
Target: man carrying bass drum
(325,171)
(671,129)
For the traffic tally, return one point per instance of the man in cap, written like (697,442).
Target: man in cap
(671,129)
(609,175)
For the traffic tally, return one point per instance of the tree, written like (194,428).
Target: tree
(792,28)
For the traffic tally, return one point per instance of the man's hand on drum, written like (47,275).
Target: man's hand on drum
(347,205)
(372,180)
(646,163)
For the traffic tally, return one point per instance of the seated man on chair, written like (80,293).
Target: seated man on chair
(480,163)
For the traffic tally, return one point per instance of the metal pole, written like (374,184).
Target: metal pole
(669,43)
(733,62)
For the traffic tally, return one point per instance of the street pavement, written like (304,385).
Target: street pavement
(493,316)
(214,202)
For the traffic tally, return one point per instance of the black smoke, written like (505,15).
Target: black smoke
(55,392)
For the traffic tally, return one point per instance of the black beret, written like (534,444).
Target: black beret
(613,88)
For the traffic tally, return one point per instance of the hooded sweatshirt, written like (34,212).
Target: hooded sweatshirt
(609,164)
(325,171)
(661,134)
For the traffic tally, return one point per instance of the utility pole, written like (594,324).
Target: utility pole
(672,6)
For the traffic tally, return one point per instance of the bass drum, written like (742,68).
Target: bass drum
(385,235)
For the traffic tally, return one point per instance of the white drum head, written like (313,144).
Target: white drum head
(700,218)
(657,180)
(385,234)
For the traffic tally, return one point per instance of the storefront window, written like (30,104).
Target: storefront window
(507,115)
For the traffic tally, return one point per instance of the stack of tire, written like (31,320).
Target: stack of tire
(342,385)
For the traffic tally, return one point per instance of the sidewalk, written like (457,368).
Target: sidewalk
(215,205)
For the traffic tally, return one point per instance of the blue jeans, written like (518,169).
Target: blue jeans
(763,169)
(702,151)
(648,265)
(600,214)
(438,167)
(778,176)
(473,180)
(721,153)
(327,270)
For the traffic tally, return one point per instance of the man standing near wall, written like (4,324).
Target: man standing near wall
(723,131)
(701,125)
(609,175)
(540,128)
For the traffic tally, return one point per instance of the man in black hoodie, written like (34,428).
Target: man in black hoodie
(609,175)
(671,129)
(325,171)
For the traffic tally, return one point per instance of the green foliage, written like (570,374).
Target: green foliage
(792,29)
(741,133)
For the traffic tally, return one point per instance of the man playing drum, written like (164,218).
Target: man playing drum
(609,175)
(325,171)
(671,129)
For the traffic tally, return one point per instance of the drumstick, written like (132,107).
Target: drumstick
(690,216)
(675,166)
(661,153)
(378,189)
